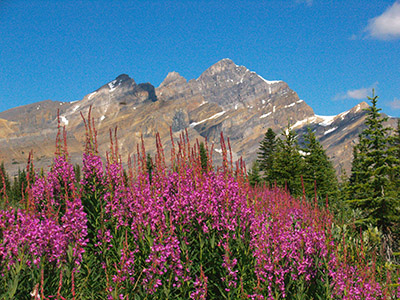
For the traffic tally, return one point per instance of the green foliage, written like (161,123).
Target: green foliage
(203,157)
(280,161)
(288,165)
(266,155)
(254,174)
(19,186)
(4,179)
(394,142)
(318,170)
(15,189)
(150,167)
(77,171)
(370,187)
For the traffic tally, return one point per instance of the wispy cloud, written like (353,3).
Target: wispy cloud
(387,25)
(395,104)
(308,2)
(358,94)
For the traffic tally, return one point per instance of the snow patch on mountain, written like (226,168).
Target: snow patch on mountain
(91,95)
(290,105)
(326,120)
(304,121)
(114,84)
(343,114)
(269,81)
(330,130)
(265,115)
(64,120)
(210,118)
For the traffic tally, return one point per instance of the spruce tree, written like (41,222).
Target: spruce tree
(203,157)
(266,154)
(77,171)
(287,166)
(150,167)
(4,177)
(318,169)
(254,174)
(395,151)
(4,181)
(370,187)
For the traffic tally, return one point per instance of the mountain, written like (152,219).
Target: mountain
(225,98)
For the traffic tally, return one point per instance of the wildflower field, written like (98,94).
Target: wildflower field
(175,228)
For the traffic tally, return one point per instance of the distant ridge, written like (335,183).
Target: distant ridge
(225,98)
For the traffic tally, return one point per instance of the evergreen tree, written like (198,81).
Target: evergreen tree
(395,150)
(4,177)
(370,187)
(254,174)
(396,141)
(4,180)
(266,154)
(288,164)
(77,171)
(318,169)
(203,157)
(150,167)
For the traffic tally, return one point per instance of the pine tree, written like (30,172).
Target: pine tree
(254,174)
(4,181)
(203,157)
(395,150)
(266,154)
(150,167)
(288,164)
(318,169)
(370,187)
(396,141)
(77,171)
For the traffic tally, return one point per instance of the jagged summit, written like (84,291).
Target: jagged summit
(225,98)
(227,70)
(121,80)
(225,65)
(173,78)
(123,77)
(360,106)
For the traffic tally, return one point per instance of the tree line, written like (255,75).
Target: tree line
(372,189)
(15,188)
(302,169)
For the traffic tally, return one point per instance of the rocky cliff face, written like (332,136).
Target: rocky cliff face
(225,98)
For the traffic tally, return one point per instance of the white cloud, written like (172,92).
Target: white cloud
(387,25)
(308,2)
(395,104)
(358,94)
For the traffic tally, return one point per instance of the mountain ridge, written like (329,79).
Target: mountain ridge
(225,98)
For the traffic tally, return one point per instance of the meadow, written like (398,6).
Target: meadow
(177,228)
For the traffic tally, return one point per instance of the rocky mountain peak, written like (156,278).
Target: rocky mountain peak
(124,78)
(121,80)
(359,107)
(220,66)
(225,98)
(173,78)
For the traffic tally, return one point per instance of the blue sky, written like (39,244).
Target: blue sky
(332,53)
